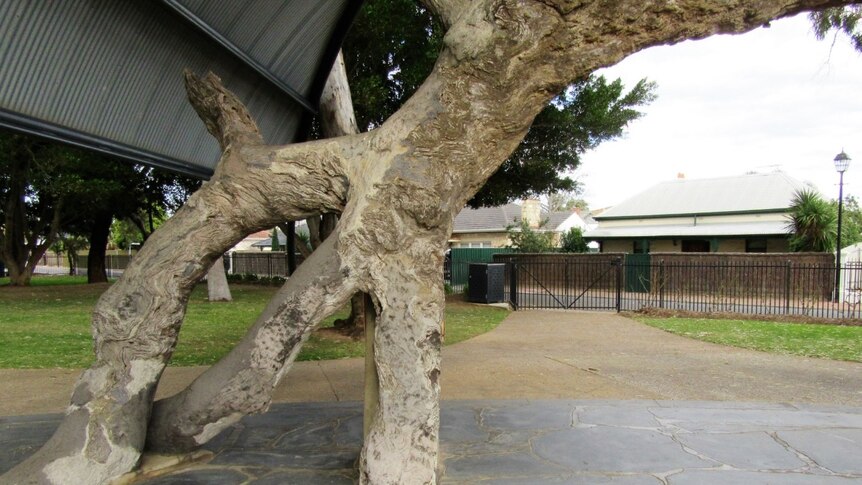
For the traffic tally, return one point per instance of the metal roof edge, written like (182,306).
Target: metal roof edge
(31,126)
(694,214)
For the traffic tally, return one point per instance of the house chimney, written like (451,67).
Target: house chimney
(531,211)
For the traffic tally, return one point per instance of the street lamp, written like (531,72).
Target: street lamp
(842,161)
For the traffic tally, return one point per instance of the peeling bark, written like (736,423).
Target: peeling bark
(503,60)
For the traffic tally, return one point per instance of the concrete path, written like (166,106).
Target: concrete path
(547,397)
(537,355)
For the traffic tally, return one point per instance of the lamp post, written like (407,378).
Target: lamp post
(842,161)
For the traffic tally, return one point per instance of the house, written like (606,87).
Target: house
(262,240)
(742,214)
(486,227)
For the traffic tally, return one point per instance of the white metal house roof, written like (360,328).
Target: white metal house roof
(771,192)
(108,75)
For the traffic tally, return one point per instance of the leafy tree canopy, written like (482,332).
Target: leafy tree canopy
(528,240)
(840,20)
(572,241)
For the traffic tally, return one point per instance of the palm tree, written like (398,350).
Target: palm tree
(812,223)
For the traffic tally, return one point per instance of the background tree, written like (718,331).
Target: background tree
(812,222)
(851,220)
(566,201)
(840,20)
(572,241)
(528,240)
(34,194)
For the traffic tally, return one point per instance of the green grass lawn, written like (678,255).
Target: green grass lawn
(48,325)
(812,340)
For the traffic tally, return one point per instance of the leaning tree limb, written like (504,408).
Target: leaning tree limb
(243,381)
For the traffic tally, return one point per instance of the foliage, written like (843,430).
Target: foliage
(566,201)
(584,115)
(812,340)
(528,240)
(391,49)
(843,20)
(851,221)
(70,245)
(812,223)
(35,194)
(46,325)
(47,189)
(572,241)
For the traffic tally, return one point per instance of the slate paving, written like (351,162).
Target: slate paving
(531,442)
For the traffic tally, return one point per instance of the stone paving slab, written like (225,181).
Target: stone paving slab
(531,442)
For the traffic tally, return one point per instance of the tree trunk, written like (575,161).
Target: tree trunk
(354,324)
(501,63)
(99,233)
(217,287)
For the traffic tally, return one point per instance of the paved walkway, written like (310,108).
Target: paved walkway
(510,414)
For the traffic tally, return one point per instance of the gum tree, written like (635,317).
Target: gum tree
(398,188)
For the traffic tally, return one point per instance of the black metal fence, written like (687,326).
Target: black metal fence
(632,284)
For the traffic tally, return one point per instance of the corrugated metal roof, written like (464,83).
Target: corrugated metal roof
(498,218)
(108,75)
(746,193)
(762,228)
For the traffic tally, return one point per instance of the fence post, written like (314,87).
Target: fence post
(787,288)
(619,264)
(661,283)
(513,284)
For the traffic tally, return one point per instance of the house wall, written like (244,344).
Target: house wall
(737,245)
(617,246)
(487,239)
(778,245)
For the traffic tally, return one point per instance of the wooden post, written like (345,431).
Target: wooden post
(372,383)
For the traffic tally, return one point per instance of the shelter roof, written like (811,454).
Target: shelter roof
(108,75)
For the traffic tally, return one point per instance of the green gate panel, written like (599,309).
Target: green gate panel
(637,273)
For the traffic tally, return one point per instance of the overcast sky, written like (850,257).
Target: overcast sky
(771,99)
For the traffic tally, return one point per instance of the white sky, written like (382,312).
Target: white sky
(770,99)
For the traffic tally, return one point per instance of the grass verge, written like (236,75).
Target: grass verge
(811,340)
(47,325)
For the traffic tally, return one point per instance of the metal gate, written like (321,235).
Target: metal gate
(560,284)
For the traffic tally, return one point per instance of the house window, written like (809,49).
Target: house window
(477,244)
(755,245)
(695,246)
